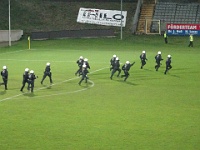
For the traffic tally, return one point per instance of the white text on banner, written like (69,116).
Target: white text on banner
(102,17)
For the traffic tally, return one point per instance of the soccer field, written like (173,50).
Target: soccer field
(148,111)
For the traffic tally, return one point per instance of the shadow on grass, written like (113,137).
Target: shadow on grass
(173,75)
(125,82)
(48,86)
(3,92)
(181,68)
(148,70)
(29,94)
(130,83)
(99,74)
(85,84)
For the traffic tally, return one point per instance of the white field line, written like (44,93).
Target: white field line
(61,93)
(13,52)
(29,60)
(34,60)
(36,50)
(15,96)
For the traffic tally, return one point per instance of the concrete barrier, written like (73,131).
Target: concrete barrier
(87,33)
(15,35)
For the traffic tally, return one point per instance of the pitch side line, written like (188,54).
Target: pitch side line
(8,98)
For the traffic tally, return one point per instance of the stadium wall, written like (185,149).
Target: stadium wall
(90,33)
(179,1)
(91,0)
(15,35)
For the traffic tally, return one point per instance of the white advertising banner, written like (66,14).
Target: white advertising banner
(102,17)
(15,35)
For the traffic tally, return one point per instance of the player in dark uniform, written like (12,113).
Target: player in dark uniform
(126,67)
(116,67)
(158,58)
(31,80)
(80,63)
(112,61)
(168,64)
(4,74)
(143,59)
(85,62)
(25,78)
(47,72)
(84,74)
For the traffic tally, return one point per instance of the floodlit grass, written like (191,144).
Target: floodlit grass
(148,111)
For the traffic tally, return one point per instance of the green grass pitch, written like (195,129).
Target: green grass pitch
(148,111)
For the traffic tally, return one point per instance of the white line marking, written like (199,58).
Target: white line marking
(12,97)
(34,60)
(68,92)
(14,52)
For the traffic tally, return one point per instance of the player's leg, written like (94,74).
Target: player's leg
(113,72)
(5,83)
(119,71)
(50,77)
(126,75)
(44,76)
(23,85)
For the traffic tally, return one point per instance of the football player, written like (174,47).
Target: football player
(168,64)
(116,67)
(143,59)
(47,72)
(84,74)
(25,78)
(4,74)
(126,67)
(31,80)
(158,59)
(80,63)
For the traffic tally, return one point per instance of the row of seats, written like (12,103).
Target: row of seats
(177,1)
(170,12)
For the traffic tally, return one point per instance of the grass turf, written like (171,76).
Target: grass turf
(148,111)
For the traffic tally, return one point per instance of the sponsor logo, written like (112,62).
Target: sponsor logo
(102,17)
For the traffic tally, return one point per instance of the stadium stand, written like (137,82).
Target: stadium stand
(171,12)
(146,9)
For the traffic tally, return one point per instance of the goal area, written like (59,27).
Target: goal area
(152,26)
